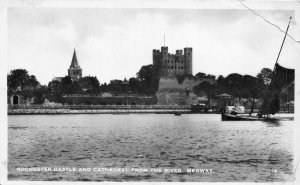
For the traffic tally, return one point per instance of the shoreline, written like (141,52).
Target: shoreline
(95,111)
(56,111)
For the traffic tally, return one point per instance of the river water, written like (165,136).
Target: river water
(148,147)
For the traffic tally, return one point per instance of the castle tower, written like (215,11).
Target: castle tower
(75,72)
(188,55)
(164,60)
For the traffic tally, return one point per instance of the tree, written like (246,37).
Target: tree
(200,75)
(266,75)
(235,85)
(221,85)
(40,94)
(66,86)
(134,85)
(90,83)
(32,82)
(146,73)
(69,86)
(21,78)
(104,87)
(253,89)
(211,76)
(148,77)
(55,91)
(207,88)
(115,86)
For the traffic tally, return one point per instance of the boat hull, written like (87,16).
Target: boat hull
(231,117)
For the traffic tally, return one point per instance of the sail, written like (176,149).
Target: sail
(281,77)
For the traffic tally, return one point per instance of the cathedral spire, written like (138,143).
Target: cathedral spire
(75,72)
(74,63)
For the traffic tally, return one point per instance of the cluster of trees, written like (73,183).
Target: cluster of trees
(201,75)
(19,78)
(145,83)
(87,84)
(237,85)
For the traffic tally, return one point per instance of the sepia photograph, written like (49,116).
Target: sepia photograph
(153,91)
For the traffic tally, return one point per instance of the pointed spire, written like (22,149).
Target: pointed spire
(74,62)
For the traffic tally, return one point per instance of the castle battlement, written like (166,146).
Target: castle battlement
(169,64)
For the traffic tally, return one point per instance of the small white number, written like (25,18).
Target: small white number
(274,170)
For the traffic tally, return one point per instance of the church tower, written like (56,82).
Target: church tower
(75,72)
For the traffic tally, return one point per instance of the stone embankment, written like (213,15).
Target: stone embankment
(94,111)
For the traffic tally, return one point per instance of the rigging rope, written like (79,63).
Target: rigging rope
(269,22)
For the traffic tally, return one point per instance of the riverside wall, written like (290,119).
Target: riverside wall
(95,109)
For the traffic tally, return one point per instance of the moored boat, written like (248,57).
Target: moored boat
(243,117)
(282,79)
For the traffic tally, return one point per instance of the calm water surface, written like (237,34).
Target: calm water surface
(236,151)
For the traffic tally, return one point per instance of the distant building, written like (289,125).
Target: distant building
(180,63)
(57,79)
(75,72)
(19,99)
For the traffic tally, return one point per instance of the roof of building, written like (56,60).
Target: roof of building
(57,79)
(224,95)
(202,98)
(74,62)
(125,83)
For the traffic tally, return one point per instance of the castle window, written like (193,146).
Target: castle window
(171,67)
(181,67)
(182,62)
(189,53)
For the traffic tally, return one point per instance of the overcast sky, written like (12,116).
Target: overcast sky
(115,43)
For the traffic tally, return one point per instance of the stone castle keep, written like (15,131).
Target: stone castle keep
(169,67)
(180,63)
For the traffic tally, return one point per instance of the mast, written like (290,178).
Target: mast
(281,48)
(283,40)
